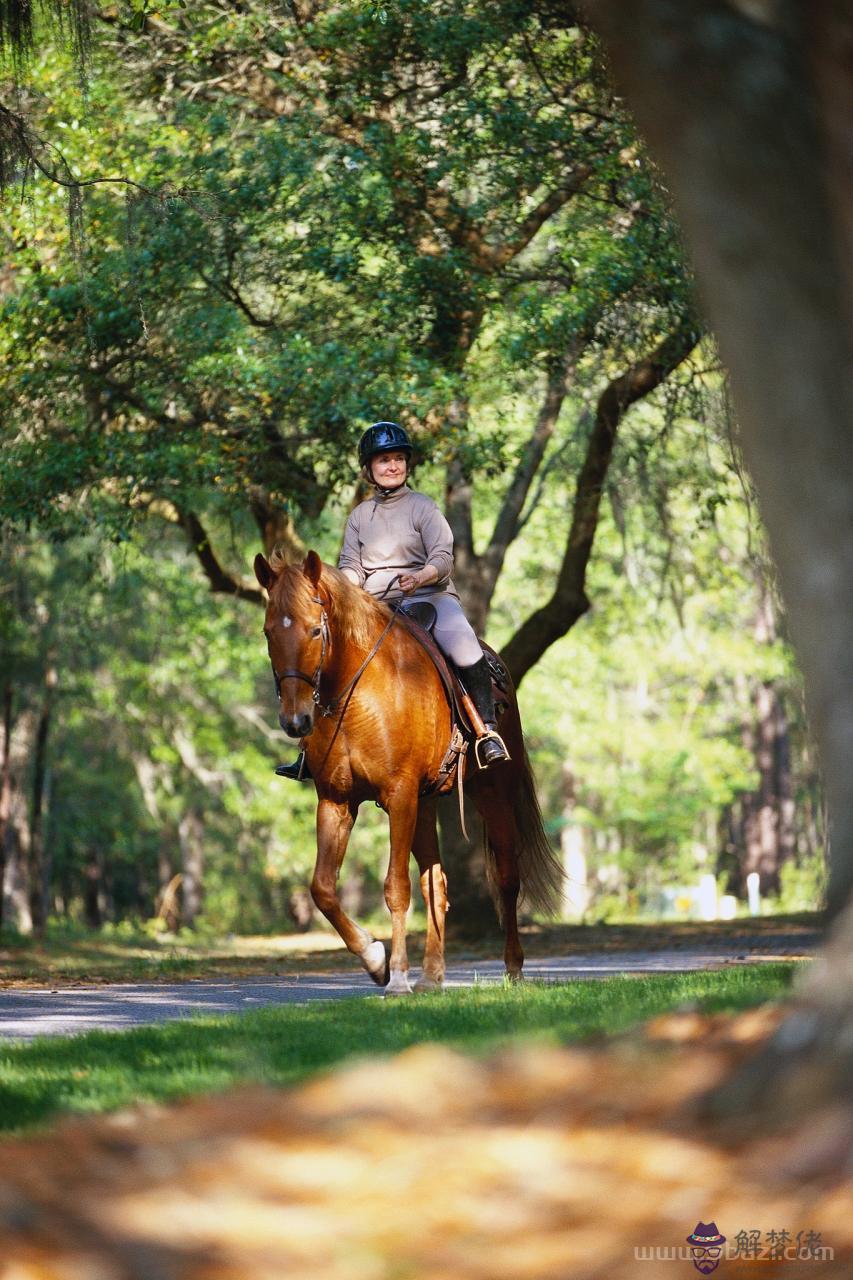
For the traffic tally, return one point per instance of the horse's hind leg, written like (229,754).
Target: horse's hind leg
(334,824)
(495,808)
(402,816)
(434,889)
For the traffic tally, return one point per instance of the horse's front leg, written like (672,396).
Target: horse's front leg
(402,816)
(334,824)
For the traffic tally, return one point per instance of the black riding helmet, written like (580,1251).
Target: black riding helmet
(383,437)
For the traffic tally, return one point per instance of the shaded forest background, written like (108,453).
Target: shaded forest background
(330,214)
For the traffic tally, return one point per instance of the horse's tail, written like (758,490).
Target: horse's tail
(539,868)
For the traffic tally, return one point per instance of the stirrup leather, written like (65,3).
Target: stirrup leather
(491,736)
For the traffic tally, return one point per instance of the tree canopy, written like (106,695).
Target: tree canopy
(246,232)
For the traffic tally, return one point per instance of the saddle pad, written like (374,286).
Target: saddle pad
(501,682)
(442,666)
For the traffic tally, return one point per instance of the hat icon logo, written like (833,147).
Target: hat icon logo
(706,1247)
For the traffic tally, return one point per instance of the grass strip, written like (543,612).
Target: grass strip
(102,1071)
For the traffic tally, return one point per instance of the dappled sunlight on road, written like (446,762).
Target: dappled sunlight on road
(25,1015)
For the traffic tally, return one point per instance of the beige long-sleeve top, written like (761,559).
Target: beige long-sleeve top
(390,533)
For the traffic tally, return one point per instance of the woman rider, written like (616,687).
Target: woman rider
(400,534)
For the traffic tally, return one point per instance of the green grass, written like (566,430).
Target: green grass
(102,1071)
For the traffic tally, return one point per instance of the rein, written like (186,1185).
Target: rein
(330,707)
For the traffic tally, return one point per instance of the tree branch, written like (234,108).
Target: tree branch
(569,601)
(507,525)
(546,208)
(275,525)
(228,290)
(582,426)
(221,581)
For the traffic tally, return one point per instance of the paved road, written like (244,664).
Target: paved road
(25,1014)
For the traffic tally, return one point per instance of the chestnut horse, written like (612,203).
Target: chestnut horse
(380,732)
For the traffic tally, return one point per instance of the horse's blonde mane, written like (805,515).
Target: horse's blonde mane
(353,613)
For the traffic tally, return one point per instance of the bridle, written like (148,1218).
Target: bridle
(313,680)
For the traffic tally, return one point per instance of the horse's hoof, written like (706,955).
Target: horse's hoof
(374,957)
(428,984)
(514,975)
(398,985)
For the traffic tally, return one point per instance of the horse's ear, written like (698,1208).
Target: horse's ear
(264,572)
(312,568)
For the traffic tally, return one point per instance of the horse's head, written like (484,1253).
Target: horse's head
(297,632)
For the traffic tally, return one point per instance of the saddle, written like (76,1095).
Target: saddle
(418,617)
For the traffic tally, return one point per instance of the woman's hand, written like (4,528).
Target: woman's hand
(420,578)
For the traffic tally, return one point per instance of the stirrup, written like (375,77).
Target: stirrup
(491,736)
(298,770)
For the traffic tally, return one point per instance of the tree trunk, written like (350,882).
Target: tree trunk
(748,108)
(475,575)
(93,891)
(38,886)
(768,236)
(472,912)
(5,784)
(766,820)
(191,836)
(16,883)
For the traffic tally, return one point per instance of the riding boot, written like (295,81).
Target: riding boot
(490,747)
(299,770)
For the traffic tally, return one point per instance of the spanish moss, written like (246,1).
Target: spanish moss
(16,30)
(71,19)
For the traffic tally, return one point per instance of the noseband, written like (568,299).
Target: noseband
(313,680)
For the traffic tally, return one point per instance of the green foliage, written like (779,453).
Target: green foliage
(636,719)
(224,322)
(803,883)
(164,707)
(383,211)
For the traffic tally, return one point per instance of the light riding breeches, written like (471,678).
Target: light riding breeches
(453,633)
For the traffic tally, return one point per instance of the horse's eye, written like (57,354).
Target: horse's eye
(315,631)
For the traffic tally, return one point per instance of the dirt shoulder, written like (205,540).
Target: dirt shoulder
(96,958)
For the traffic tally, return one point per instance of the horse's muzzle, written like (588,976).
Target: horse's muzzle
(297,726)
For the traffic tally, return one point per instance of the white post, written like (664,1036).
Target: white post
(708,897)
(753,893)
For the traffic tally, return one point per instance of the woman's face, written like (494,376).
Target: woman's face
(389,469)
